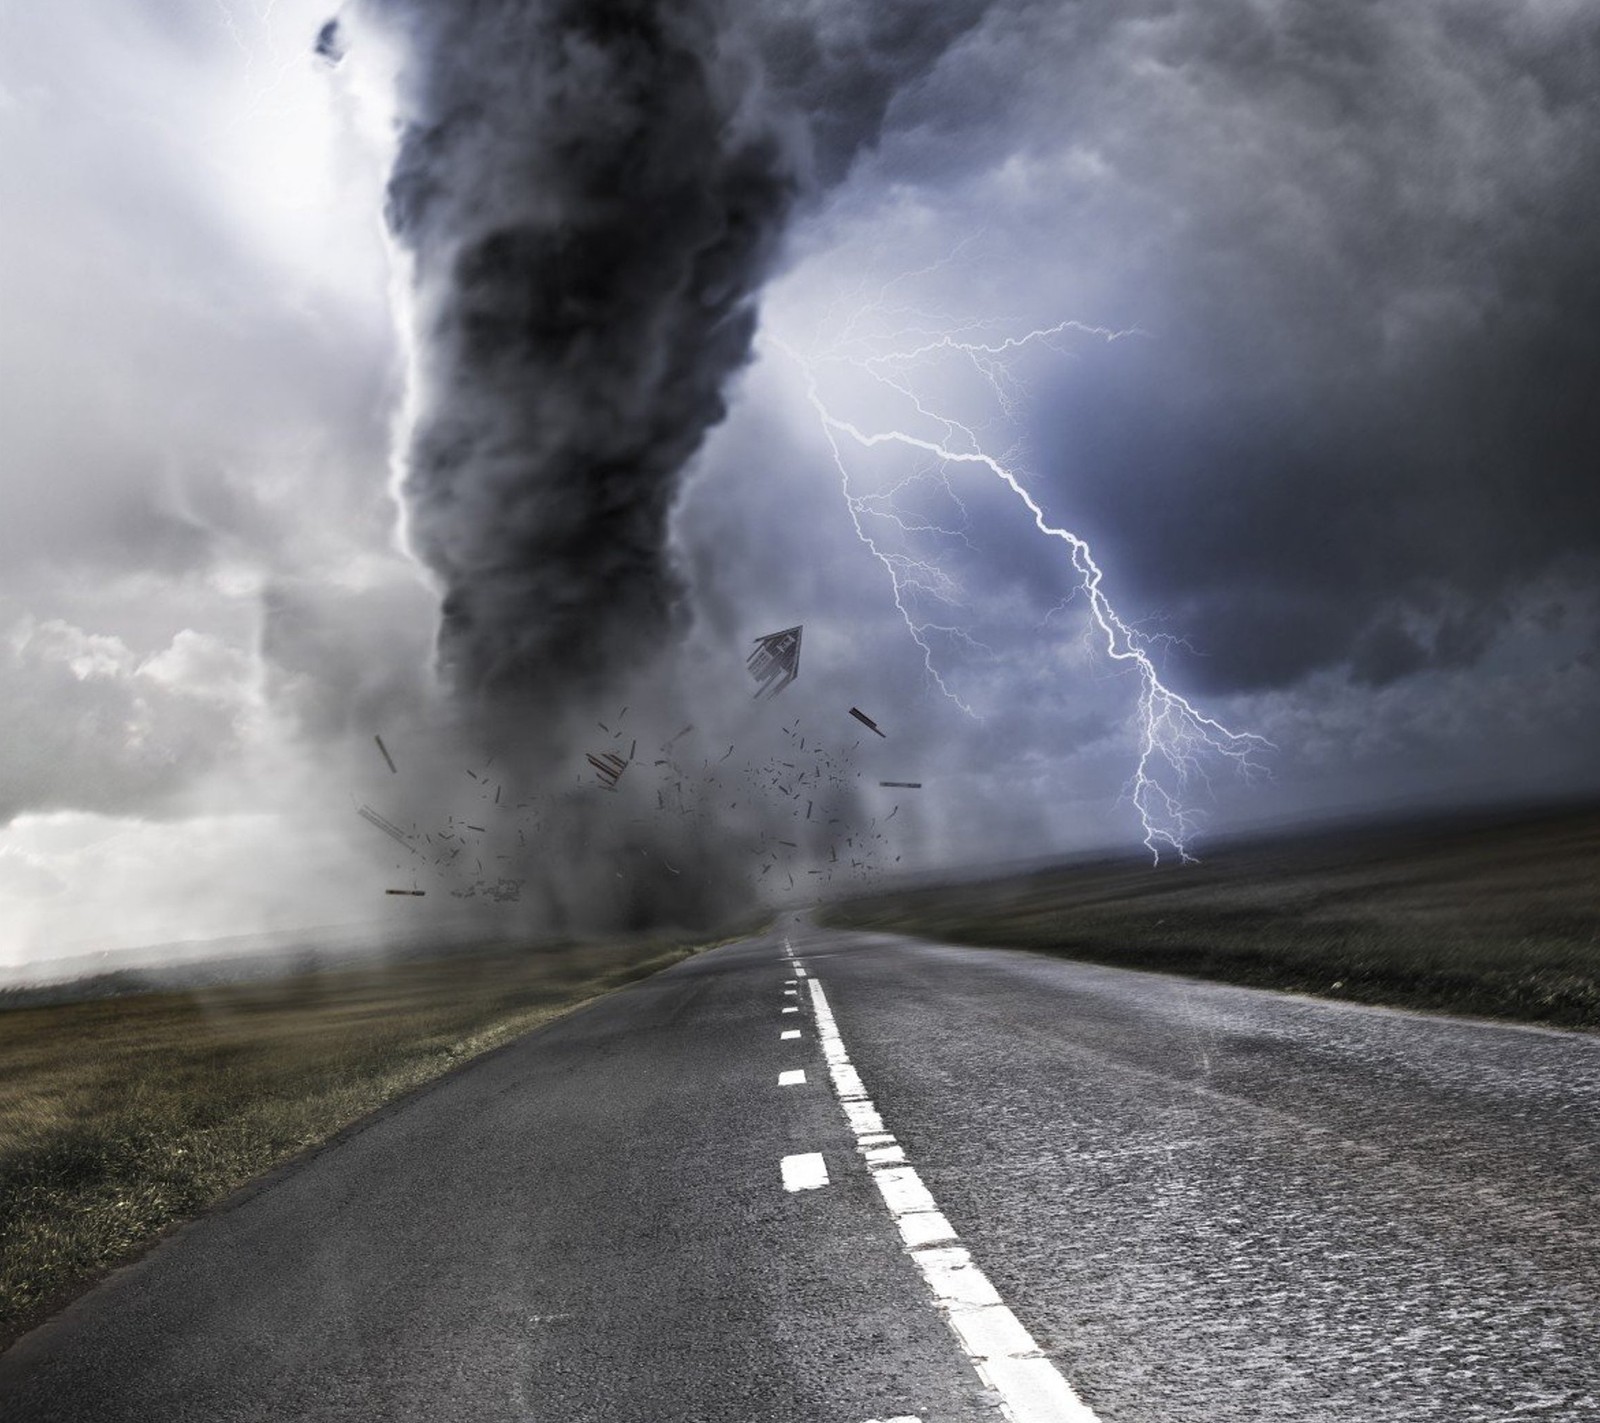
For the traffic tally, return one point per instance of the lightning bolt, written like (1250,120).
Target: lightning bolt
(257,33)
(1177,741)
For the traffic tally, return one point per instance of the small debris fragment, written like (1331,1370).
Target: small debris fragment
(384,752)
(330,47)
(866,721)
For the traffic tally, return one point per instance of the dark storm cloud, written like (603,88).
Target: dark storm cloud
(592,193)
(1358,239)
(1361,241)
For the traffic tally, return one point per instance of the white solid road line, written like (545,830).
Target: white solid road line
(1005,1355)
(805,1172)
(795,1077)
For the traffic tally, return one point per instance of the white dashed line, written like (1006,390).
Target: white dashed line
(1005,1355)
(805,1172)
(791,992)
(795,1077)
(791,1010)
(788,1033)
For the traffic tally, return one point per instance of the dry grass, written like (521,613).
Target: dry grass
(120,1117)
(1499,918)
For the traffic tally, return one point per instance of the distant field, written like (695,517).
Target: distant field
(120,1116)
(1499,918)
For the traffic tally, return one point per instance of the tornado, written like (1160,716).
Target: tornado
(589,195)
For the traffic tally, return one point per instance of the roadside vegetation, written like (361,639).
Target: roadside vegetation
(122,1116)
(1494,918)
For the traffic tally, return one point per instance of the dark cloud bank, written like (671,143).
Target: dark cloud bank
(1361,237)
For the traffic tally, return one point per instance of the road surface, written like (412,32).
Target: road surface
(976,1184)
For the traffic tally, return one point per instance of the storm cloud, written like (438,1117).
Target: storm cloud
(1359,241)
(1345,453)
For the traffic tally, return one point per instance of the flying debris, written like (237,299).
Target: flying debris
(330,46)
(384,752)
(389,828)
(866,720)
(608,767)
(417,893)
(776,661)
(905,785)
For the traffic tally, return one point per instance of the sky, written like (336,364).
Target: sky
(630,350)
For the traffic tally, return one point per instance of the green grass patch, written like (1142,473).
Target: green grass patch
(122,1116)
(1499,918)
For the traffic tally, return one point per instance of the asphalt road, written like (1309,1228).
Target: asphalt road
(1199,1202)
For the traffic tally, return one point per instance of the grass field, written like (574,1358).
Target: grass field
(121,1116)
(1497,918)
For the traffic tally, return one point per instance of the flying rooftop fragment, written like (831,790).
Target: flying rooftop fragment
(389,828)
(608,766)
(776,661)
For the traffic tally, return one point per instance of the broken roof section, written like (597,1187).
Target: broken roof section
(608,767)
(389,828)
(776,661)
